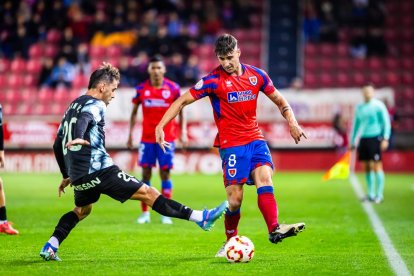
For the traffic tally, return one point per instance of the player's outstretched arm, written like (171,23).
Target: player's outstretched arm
(170,114)
(295,130)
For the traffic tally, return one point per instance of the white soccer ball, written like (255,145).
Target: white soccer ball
(239,249)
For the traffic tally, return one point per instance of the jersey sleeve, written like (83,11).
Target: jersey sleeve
(267,85)
(177,91)
(137,98)
(96,109)
(386,122)
(355,127)
(204,87)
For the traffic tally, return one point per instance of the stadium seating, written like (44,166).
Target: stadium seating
(339,69)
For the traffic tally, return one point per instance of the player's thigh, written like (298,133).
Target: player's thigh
(261,164)
(119,185)
(236,165)
(262,176)
(147,154)
(165,159)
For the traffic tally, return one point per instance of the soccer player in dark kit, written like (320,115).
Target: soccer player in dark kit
(84,163)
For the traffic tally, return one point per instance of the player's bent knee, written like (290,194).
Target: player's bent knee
(83,212)
(146,194)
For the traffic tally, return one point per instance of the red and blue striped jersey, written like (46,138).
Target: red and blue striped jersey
(155,102)
(234,102)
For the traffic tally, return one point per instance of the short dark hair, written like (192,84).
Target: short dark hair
(156,58)
(225,44)
(106,73)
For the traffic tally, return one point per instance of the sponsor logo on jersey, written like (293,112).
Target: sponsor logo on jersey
(87,185)
(228,83)
(253,80)
(240,96)
(199,84)
(147,93)
(166,94)
(232,172)
(155,103)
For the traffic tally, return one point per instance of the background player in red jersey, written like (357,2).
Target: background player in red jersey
(156,95)
(233,89)
(5,226)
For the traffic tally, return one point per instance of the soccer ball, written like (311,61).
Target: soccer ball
(239,249)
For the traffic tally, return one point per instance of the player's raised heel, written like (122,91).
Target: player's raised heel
(210,216)
(49,253)
(144,218)
(283,231)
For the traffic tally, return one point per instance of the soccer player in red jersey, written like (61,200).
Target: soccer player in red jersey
(156,95)
(233,88)
(5,226)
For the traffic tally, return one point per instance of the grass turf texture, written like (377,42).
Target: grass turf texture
(338,238)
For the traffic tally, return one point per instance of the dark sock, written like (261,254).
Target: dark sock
(170,208)
(3,215)
(66,223)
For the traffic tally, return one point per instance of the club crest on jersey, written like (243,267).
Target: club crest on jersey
(166,94)
(232,172)
(253,80)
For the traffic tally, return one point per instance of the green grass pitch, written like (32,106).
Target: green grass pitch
(338,239)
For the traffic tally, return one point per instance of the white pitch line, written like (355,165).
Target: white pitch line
(396,262)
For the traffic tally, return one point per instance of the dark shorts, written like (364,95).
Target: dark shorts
(369,149)
(149,153)
(238,162)
(111,181)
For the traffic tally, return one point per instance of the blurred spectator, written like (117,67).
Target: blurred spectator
(191,71)
(82,65)
(62,74)
(127,78)
(68,45)
(296,84)
(311,22)
(175,70)
(174,24)
(328,31)
(47,66)
(138,67)
(359,43)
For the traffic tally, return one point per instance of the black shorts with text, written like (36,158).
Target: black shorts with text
(369,149)
(111,181)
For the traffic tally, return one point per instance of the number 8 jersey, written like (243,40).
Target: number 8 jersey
(84,119)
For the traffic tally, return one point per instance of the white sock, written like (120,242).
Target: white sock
(196,216)
(3,221)
(54,242)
